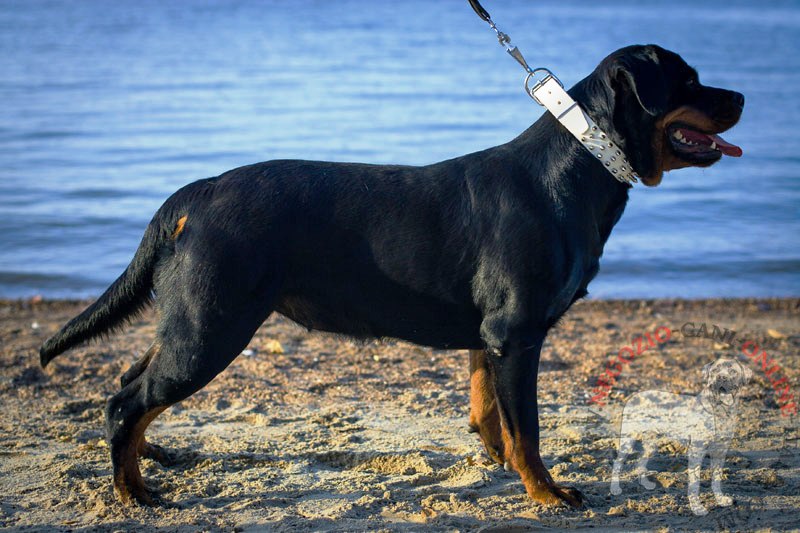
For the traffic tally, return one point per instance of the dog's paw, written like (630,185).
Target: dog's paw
(615,488)
(697,507)
(699,510)
(723,500)
(157,454)
(645,482)
(494,447)
(571,496)
(557,495)
(136,495)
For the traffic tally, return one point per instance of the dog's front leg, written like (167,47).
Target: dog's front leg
(696,453)
(717,460)
(515,381)
(484,418)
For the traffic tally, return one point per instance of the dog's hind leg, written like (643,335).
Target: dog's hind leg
(626,445)
(483,416)
(139,366)
(194,348)
(696,453)
(648,447)
(718,453)
(146,449)
(127,416)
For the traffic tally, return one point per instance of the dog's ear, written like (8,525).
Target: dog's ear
(746,374)
(707,371)
(642,75)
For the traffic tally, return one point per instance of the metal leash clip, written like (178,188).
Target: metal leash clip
(513,51)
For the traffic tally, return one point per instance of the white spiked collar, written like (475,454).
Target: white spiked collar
(551,94)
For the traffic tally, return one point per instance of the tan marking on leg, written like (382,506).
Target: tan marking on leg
(483,415)
(521,452)
(128,479)
(179,227)
(525,459)
(152,451)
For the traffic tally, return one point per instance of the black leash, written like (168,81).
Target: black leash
(482,13)
(504,39)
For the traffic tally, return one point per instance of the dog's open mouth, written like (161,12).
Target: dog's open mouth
(697,146)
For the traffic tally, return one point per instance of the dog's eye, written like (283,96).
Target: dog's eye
(691,83)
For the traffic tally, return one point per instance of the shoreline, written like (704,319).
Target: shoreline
(39,298)
(314,431)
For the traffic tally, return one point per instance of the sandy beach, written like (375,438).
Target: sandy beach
(306,431)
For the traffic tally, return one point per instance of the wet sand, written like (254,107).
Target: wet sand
(306,431)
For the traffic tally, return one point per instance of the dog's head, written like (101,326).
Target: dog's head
(724,377)
(656,107)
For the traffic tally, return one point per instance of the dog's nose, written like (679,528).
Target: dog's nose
(738,99)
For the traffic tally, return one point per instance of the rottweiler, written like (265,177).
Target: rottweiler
(483,252)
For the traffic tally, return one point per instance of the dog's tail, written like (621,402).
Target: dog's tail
(128,296)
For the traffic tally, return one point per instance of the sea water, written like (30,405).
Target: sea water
(106,108)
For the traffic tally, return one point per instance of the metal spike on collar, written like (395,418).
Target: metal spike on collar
(549,92)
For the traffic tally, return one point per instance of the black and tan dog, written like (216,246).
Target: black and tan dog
(483,252)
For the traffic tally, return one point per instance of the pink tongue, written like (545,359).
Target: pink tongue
(706,139)
(725,147)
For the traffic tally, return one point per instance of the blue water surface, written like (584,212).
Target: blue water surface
(108,107)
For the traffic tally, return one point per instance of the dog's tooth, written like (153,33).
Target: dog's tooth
(714,145)
(507,466)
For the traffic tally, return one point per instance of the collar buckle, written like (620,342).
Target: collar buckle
(532,75)
(549,92)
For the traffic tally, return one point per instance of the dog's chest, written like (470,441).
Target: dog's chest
(585,262)
(581,272)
